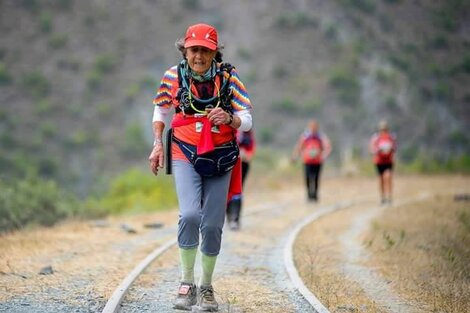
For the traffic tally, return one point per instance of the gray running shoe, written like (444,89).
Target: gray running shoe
(186,298)
(234,225)
(206,300)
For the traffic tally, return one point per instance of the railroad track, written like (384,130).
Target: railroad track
(277,257)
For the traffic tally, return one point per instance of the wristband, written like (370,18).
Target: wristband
(230,121)
(157,142)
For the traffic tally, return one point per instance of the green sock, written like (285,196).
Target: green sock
(187,260)
(208,265)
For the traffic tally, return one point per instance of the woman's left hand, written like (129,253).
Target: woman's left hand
(218,116)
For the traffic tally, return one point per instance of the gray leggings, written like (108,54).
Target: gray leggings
(202,203)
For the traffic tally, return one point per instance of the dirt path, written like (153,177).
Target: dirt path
(89,261)
(250,276)
(375,287)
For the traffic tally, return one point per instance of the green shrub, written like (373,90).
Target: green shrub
(266,135)
(385,76)
(105,63)
(43,106)
(48,129)
(7,141)
(458,139)
(81,138)
(366,6)
(295,20)
(440,42)
(410,48)
(31,5)
(285,105)
(3,115)
(132,90)
(94,79)
(63,4)
(360,46)
(136,191)
(45,22)
(444,19)
(251,77)
(36,84)
(148,82)
(68,63)
(464,65)
(33,201)
(190,4)
(460,164)
(279,71)
(427,164)
(89,21)
(47,166)
(346,84)
(436,69)
(331,32)
(312,106)
(5,77)
(134,143)
(57,41)
(244,53)
(443,91)
(392,1)
(400,62)
(391,102)
(103,109)
(386,23)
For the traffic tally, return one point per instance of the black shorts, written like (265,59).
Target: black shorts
(381,168)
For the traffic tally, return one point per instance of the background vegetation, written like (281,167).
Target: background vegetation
(77,79)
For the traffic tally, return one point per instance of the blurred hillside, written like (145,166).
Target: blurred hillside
(77,77)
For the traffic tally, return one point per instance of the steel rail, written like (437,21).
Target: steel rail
(289,255)
(114,302)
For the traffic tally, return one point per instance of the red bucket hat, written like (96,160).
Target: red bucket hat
(201,35)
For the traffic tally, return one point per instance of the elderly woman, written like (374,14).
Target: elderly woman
(210,103)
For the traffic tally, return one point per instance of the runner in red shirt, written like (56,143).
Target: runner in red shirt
(383,146)
(314,147)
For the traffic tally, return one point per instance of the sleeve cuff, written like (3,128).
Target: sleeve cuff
(246,120)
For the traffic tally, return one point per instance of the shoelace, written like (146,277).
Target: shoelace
(208,294)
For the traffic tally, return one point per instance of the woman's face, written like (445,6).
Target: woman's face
(200,58)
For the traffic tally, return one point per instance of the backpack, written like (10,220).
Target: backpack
(312,148)
(385,146)
(245,139)
(190,104)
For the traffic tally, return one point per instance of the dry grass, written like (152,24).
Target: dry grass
(85,258)
(250,296)
(424,249)
(319,258)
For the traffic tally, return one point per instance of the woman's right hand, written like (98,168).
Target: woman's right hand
(156,158)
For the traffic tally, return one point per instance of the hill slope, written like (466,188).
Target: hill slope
(77,77)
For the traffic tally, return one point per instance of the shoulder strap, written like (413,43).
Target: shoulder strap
(180,78)
(227,67)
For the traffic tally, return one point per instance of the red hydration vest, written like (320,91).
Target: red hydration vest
(312,148)
(385,147)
